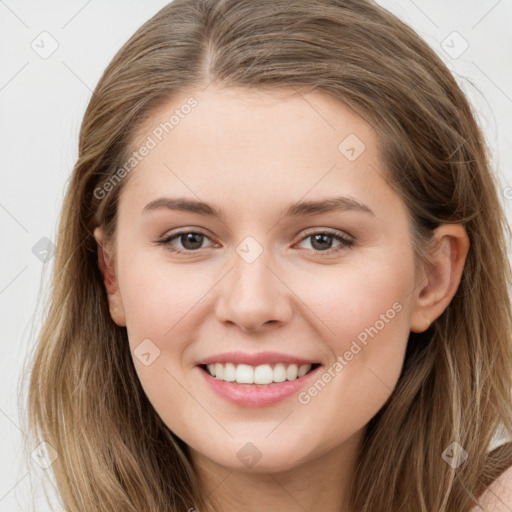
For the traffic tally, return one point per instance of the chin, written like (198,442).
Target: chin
(257,456)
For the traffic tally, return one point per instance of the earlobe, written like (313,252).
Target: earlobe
(109,279)
(440,283)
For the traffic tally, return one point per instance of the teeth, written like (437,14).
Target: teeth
(229,373)
(262,374)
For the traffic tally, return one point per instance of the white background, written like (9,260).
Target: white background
(42,102)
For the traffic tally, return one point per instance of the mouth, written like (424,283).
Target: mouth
(261,375)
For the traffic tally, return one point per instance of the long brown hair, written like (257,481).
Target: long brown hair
(85,399)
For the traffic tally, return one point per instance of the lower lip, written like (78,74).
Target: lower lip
(257,395)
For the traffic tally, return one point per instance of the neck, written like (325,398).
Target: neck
(319,484)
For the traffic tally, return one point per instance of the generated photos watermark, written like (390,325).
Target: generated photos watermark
(305,397)
(151,142)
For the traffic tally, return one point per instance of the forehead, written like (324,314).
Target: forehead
(255,112)
(270,142)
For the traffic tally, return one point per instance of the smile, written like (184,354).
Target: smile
(258,387)
(261,374)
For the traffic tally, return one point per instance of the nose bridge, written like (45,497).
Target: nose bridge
(253,295)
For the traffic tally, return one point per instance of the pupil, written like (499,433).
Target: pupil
(191,237)
(321,240)
(324,238)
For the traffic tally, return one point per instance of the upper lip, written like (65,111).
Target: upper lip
(254,359)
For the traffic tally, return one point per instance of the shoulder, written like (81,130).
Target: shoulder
(498,496)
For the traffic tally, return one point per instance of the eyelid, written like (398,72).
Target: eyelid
(329,231)
(170,236)
(345,239)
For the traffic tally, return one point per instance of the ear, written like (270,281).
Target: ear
(451,246)
(109,279)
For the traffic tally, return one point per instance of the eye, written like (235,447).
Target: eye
(190,240)
(321,241)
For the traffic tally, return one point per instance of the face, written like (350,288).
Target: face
(270,283)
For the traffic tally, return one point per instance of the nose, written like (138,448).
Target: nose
(254,296)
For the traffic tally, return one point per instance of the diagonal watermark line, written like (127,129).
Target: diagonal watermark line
(279,423)
(485,15)
(380,379)
(199,300)
(286,491)
(75,15)
(76,76)
(315,109)
(200,404)
(13,13)
(332,350)
(217,486)
(312,187)
(14,218)
(424,14)
(12,280)
(170,170)
(13,423)
(208,84)
(489,490)
(477,504)
(412,291)
(385,178)
(78,247)
(301,300)
(492,81)
(12,488)
(14,76)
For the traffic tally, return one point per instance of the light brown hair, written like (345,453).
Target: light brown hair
(85,399)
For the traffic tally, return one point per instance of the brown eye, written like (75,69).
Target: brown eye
(190,241)
(322,241)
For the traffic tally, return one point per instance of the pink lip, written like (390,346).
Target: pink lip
(254,359)
(257,395)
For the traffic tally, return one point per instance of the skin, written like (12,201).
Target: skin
(252,153)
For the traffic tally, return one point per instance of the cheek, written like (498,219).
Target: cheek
(363,302)
(157,297)
(355,301)
(359,313)
(365,313)
(161,301)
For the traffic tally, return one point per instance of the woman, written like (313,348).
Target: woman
(204,350)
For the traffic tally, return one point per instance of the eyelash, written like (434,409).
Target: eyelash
(346,243)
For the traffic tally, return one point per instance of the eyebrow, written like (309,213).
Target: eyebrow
(301,208)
